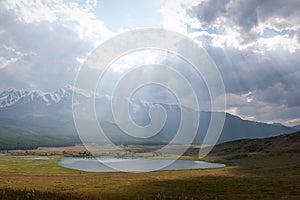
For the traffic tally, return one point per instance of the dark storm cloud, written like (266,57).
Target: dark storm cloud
(209,11)
(261,75)
(262,86)
(245,16)
(245,71)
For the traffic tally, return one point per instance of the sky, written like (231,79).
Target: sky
(255,44)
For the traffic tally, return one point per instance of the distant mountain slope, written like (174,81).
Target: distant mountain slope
(297,127)
(20,138)
(50,115)
(237,128)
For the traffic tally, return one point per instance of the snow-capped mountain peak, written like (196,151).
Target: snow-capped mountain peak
(13,96)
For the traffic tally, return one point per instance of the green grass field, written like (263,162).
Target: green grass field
(248,175)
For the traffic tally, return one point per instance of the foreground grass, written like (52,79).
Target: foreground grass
(272,171)
(256,176)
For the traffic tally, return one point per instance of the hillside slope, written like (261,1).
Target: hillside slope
(297,127)
(12,137)
(278,144)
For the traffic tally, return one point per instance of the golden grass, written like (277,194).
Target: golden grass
(246,176)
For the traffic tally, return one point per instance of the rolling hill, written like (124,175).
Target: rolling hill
(12,137)
(287,143)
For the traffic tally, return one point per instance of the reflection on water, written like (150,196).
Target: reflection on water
(131,165)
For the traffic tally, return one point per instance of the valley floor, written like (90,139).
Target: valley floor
(248,175)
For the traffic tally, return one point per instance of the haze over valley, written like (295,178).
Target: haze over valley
(45,119)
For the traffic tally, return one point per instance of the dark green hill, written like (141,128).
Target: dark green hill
(278,144)
(12,137)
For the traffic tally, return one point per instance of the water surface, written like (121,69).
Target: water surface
(132,165)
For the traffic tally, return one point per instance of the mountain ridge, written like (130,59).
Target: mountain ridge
(44,113)
(297,127)
(13,96)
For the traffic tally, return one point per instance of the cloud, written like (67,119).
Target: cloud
(174,15)
(173,72)
(245,21)
(9,56)
(260,87)
(42,43)
(255,45)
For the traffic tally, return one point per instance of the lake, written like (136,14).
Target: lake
(132,165)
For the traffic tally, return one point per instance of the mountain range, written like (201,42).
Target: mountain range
(297,127)
(29,119)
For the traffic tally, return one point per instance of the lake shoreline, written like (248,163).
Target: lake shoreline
(133,165)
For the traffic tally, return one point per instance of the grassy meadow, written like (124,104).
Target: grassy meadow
(272,173)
